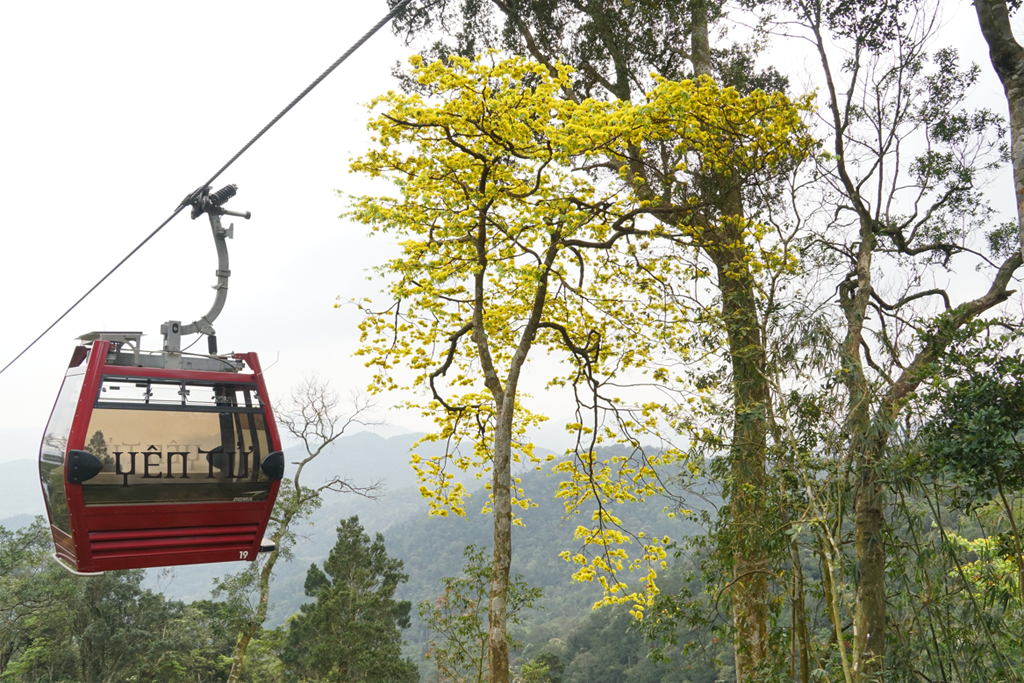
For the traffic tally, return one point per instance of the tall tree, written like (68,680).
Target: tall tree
(494,226)
(902,221)
(352,632)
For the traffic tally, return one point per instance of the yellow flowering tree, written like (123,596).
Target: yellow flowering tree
(521,224)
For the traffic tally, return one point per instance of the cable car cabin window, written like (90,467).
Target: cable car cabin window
(54,447)
(169,441)
(134,392)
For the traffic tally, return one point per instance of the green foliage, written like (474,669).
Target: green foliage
(32,588)
(58,627)
(547,667)
(977,433)
(993,576)
(239,596)
(614,45)
(352,632)
(457,619)
(952,614)
(263,657)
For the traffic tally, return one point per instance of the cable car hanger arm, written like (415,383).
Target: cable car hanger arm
(212,205)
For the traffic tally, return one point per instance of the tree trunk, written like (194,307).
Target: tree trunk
(746,500)
(700,43)
(865,450)
(1008,60)
(869,546)
(238,657)
(253,627)
(501,489)
(751,397)
(799,613)
(826,554)
(869,550)
(249,632)
(746,490)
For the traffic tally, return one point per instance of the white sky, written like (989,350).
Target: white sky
(114,111)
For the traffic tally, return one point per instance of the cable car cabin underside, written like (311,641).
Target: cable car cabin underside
(152,460)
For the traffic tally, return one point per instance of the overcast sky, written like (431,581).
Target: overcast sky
(114,111)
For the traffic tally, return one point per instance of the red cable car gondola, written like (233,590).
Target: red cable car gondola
(163,458)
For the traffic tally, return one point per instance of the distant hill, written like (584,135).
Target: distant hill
(17,521)
(362,459)
(431,547)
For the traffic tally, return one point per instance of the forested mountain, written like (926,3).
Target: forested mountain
(430,548)
(364,459)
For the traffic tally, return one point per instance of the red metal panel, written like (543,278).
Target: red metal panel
(176,532)
(129,547)
(157,559)
(197,524)
(171,515)
(138,536)
(76,441)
